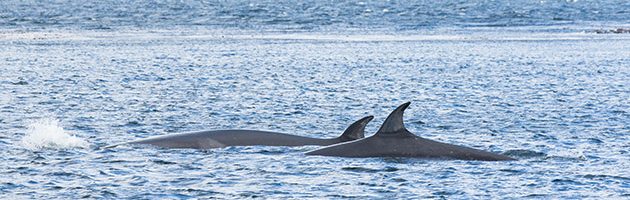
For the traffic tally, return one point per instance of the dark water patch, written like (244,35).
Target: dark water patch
(251,195)
(7,187)
(132,124)
(566,182)
(64,176)
(369,184)
(445,193)
(39,160)
(339,196)
(199,192)
(524,154)
(101,172)
(191,167)
(398,180)
(605,177)
(544,136)
(369,170)
(444,127)
(21,82)
(115,161)
(163,162)
(513,171)
(595,141)
(612,31)
(536,196)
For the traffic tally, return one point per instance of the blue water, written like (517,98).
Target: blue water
(310,14)
(530,79)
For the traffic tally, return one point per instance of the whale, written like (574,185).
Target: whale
(394,140)
(225,138)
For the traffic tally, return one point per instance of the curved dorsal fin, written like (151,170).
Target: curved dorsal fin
(394,122)
(356,129)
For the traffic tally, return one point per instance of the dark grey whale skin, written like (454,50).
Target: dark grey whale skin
(225,138)
(394,140)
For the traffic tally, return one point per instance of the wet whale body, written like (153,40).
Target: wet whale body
(394,140)
(225,138)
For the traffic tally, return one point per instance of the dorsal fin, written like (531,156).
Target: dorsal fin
(394,122)
(356,129)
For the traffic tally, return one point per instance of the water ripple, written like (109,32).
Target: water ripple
(311,15)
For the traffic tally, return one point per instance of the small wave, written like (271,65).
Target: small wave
(46,133)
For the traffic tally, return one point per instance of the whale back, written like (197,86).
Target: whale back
(394,140)
(223,138)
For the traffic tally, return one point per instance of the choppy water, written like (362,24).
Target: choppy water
(559,101)
(310,14)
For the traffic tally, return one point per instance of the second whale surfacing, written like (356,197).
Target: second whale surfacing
(394,140)
(225,138)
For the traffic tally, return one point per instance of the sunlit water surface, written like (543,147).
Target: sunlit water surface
(560,106)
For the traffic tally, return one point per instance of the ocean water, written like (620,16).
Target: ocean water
(529,79)
(310,14)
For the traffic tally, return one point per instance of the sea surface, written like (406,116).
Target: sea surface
(546,82)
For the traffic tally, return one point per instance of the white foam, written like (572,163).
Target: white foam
(46,133)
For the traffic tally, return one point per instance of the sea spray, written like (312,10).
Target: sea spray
(47,133)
